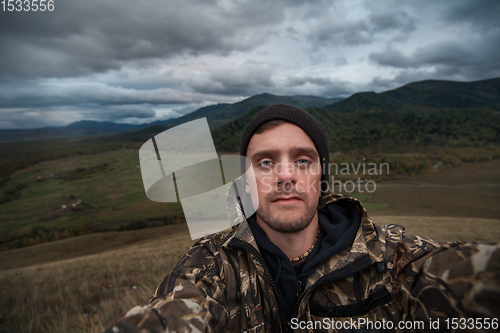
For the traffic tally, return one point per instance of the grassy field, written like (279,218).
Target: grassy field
(84,294)
(80,284)
(469,190)
(80,194)
(108,185)
(86,245)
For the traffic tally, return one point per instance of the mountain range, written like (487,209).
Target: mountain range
(425,96)
(229,119)
(420,114)
(216,115)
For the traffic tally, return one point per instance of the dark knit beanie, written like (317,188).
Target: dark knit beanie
(296,116)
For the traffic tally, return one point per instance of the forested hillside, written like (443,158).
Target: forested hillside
(388,131)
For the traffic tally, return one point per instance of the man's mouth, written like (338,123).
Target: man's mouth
(287,199)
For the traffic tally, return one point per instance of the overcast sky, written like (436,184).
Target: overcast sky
(140,61)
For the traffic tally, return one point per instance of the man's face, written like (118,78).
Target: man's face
(288,174)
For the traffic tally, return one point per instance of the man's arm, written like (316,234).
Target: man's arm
(456,280)
(191,298)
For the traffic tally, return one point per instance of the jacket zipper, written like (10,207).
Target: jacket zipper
(357,287)
(247,247)
(356,266)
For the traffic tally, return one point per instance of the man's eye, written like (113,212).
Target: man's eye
(266,163)
(302,162)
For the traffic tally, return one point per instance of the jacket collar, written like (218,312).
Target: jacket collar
(366,242)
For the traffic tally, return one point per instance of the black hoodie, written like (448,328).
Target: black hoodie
(339,223)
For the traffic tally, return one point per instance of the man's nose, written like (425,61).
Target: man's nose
(285,172)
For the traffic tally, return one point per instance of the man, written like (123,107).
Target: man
(311,260)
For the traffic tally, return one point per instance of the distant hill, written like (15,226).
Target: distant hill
(420,114)
(200,113)
(222,113)
(99,126)
(76,129)
(216,115)
(425,96)
(387,131)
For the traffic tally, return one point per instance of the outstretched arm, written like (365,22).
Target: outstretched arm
(190,299)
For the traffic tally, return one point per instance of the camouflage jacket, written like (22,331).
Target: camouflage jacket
(384,282)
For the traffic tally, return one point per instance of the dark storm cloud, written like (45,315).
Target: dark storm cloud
(392,58)
(481,14)
(392,21)
(406,76)
(470,59)
(120,112)
(83,93)
(362,31)
(449,53)
(317,85)
(245,80)
(124,59)
(256,78)
(81,37)
(471,53)
(60,116)
(294,81)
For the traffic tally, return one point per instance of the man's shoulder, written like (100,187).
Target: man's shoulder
(216,241)
(390,234)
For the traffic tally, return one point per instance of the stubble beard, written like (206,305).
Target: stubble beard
(279,224)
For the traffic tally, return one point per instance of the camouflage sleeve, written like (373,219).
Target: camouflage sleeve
(459,280)
(190,299)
